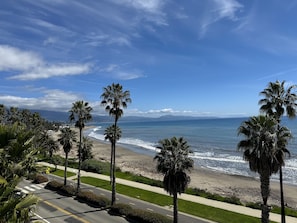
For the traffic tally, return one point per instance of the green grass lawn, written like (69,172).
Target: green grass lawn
(60,173)
(199,210)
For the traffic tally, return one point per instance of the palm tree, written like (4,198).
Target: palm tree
(15,207)
(66,139)
(109,134)
(114,98)
(279,100)
(173,162)
(47,144)
(260,150)
(86,149)
(80,113)
(17,158)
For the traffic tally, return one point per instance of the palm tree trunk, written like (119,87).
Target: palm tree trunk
(175,208)
(79,161)
(265,191)
(111,163)
(113,187)
(265,214)
(282,195)
(65,171)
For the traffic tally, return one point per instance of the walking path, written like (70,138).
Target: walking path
(218,204)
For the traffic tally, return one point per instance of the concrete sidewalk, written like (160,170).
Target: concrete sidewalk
(197,199)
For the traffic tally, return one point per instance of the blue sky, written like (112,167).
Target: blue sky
(201,58)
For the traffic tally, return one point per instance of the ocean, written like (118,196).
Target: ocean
(213,142)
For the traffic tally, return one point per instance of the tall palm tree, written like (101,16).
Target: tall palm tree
(173,162)
(114,98)
(80,113)
(109,134)
(66,138)
(279,100)
(259,149)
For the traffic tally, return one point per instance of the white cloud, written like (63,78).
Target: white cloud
(220,9)
(33,67)
(124,75)
(50,40)
(15,59)
(51,100)
(116,71)
(150,10)
(147,5)
(44,72)
(227,8)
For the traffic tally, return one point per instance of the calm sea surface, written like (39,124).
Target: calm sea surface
(213,141)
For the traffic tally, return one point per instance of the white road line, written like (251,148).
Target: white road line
(29,188)
(132,203)
(46,221)
(149,209)
(36,186)
(24,191)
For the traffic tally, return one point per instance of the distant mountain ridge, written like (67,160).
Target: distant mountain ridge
(59,116)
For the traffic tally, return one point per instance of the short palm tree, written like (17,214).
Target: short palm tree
(66,138)
(114,98)
(86,149)
(13,207)
(80,113)
(113,134)
(173,161)
(17,145)
(279,100)
(48,144)
(260,150)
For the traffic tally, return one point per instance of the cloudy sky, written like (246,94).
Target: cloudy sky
(209,57)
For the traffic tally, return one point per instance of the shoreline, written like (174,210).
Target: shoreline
(247,189)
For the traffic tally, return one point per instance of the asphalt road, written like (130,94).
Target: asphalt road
(55,208)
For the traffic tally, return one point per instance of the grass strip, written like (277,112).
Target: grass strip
(60,173)
(199,210)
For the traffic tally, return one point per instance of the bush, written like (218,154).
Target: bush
(254,205)
(143,216)
(67,190)
(54,185)
(39,178)
(31,176)
(137,215)
(217,197)
(93,199)
(95,166)
(120,209)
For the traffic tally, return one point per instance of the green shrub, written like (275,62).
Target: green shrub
(39,178)
(254,205)
(137,215)
(31,176)
(54,185)
(217,197)
(120,209)
(93,199)
(67,190)
(143,216)
(289,211)
(95,166)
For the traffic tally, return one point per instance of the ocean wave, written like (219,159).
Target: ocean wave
(127,141)
(216,159)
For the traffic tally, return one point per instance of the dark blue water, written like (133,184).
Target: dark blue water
(213,142)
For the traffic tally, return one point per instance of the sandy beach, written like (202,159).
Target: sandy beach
(245,188)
